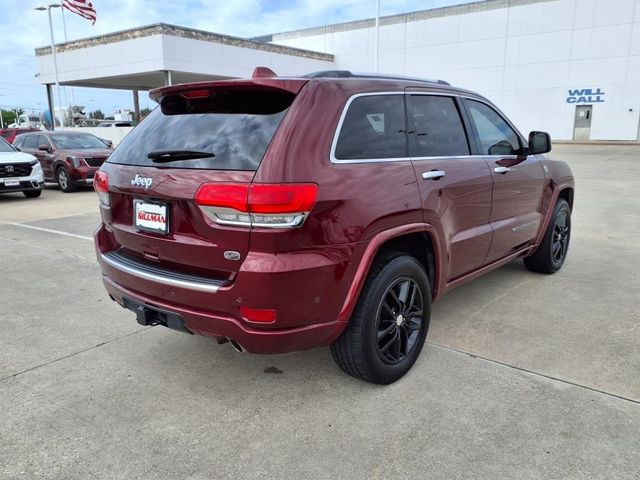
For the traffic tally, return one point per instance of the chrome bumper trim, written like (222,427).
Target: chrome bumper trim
(130,266)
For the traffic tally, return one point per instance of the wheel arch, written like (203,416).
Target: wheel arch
(567,194)
(418,240)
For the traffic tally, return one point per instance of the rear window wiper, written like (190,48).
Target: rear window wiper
(160,156)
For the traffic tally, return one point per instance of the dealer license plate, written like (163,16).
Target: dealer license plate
(150,217)
(11,183)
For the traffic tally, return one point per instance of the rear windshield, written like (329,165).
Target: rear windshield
(235,126)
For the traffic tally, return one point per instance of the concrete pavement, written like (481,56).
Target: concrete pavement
(524,376)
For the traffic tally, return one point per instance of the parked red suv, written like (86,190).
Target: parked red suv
(69,158)
(10,134)
(283,214)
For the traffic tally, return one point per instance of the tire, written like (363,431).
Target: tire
(32,193)
(64,180)
(364,350)
(552,252)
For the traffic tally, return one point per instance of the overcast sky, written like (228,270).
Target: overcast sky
(24,29)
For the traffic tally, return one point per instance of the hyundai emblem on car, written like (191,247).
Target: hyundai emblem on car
(139,181)
(9,169)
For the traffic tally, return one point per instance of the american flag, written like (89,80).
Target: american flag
(84,8)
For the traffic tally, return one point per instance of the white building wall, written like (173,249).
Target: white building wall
(525,58)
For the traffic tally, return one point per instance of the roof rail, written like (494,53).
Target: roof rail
(348,74)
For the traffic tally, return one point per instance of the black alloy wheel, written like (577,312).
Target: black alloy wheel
(552,251)
(399,320)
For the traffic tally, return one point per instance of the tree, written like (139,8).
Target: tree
(97,114)
(144,112)
(11,116)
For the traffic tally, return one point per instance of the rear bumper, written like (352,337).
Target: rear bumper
(221,326)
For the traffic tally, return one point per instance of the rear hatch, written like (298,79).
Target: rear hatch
(200,134)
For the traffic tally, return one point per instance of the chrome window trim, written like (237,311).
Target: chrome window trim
(336,135)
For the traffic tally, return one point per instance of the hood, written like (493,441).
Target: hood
(15,157)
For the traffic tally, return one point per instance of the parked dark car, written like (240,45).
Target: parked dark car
(283,214)
(10,134)
(68,158)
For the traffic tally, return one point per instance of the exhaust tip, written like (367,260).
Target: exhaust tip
(236,346)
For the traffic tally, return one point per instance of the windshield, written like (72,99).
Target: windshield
(236,127)
(5,147)
(78,141)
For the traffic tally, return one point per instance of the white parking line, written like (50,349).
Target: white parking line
(48,230)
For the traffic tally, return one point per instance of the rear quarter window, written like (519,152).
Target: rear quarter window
(373,128)
(236,126)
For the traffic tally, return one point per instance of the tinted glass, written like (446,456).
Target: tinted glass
(5,134)
(374,127)
(18,141)
(5,147)
(236,126)
(438,127)
(495,135)
(42,140)
(81,141)
(30,141)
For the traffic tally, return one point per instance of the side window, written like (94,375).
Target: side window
(438,127)
(374,127)
(18,141)
(495,135)
(42,140)
(30,141)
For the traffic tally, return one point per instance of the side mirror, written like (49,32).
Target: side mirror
(44,148)
(539,142)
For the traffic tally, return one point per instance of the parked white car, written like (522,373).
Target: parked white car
(19,172)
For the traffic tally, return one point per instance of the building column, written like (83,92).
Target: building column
(50,103)
(136,106)
(167,78)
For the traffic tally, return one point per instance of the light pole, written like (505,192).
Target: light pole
(376,46)
(48,8)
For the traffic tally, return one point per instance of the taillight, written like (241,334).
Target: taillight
(101,186)
(257,204)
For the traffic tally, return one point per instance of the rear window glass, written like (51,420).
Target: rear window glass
(235,126)
(373,128)
(438,127)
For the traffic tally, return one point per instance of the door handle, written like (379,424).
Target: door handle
(501,170)
(433,174)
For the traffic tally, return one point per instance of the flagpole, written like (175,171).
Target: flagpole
(64,27)
(55,64)
(377,39)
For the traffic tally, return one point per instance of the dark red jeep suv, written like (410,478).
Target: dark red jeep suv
(282,214)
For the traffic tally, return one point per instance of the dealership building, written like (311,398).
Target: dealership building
(570,67)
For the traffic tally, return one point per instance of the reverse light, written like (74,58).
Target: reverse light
(258,315)
(257,204)
(101,186)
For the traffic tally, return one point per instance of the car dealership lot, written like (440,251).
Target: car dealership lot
(523,376)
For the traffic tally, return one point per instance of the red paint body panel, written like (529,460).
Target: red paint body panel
(312,275)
